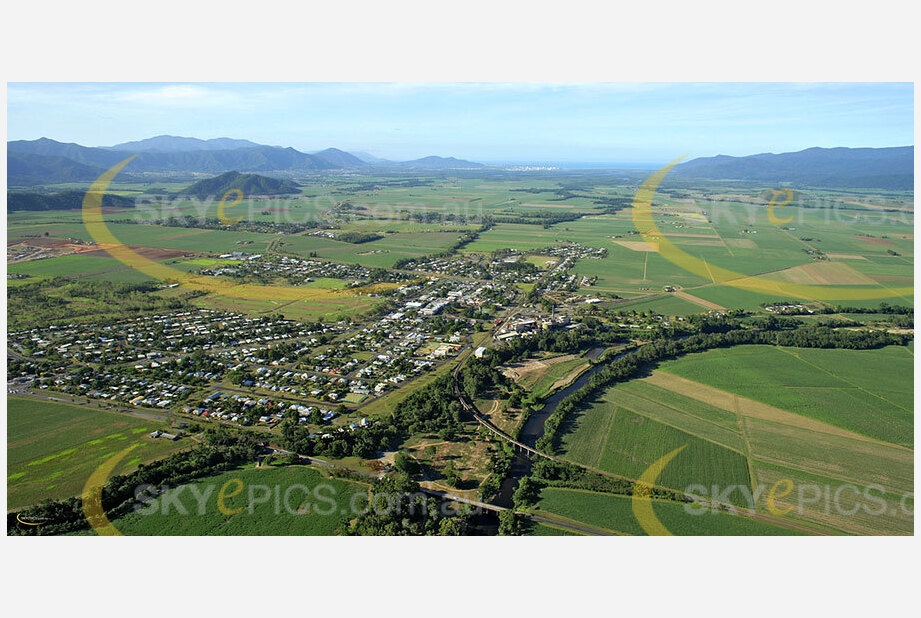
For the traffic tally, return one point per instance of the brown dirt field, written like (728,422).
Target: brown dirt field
(153,253)
(637,245)
(874,241)
(698,301)
(507,422)
(470,458)
(748,408)
(47,242)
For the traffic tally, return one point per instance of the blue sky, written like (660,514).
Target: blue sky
(619,122)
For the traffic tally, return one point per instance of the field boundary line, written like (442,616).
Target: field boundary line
(846,381)
(609,427)
(745,440)
(690,433)
(563,520)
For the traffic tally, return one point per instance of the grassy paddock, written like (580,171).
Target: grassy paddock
(52,448)
(316,505)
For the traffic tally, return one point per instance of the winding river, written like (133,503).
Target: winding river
(534,428)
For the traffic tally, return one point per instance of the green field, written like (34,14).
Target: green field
(53,448)
(838,387)
(749,416)
(813,418)
(330,306)
(72,265)
(664,304)
(614,513)
(381,253)
(315,505)
(612,438)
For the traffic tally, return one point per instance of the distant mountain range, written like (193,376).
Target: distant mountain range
(248,184)
(32,169)
(876,168)
(48,161)
(173,143)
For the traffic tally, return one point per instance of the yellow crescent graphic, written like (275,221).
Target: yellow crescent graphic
(642,219)
(99,231)
(28,523)
(222,206)
(92,495)
(642,496)
(770,210)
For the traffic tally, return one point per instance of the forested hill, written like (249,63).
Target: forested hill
(249,184)
(46,160)
(65,200)
(26,169)
(877,168)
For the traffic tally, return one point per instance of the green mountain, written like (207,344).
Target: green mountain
(339,158)
(249,184)
(174,143)
(879,168)
(24,169)
(65,200)
(46,160)
(439,163)
(255,159)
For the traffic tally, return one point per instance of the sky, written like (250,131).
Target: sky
(647,123)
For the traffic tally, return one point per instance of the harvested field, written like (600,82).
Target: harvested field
(637,245)
(698,301)
(153,253)
(874,241)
